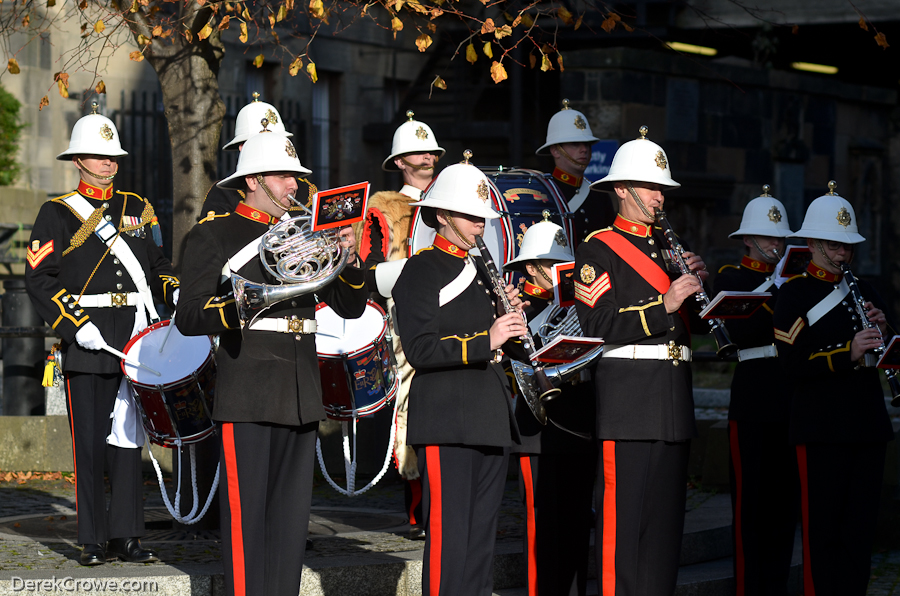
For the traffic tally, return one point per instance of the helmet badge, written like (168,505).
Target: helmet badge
(661,160)
(272,117)
(289,149)
(560,239)
(106,132)
(580,124)
(421,134)
(482,191)
(843,217)
(774,214)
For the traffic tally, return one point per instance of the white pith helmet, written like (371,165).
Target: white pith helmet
(462,188)
(93,135)
(543,240)
(830,217)
(412,136)
(640,160)
(567,126)
(764,216)
(247,122)
(264,152)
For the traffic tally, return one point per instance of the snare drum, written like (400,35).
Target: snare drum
(355,362)
(176,406)
(520,196)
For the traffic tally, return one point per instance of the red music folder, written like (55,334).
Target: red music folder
(891,356)
(566,348)
(734,305)
(339,207)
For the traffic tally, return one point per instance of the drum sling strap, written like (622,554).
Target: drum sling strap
(764,286)
(827,303)
(462,281)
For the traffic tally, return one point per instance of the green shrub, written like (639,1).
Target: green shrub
(10,129)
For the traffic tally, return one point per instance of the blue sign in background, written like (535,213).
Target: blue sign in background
(601,156)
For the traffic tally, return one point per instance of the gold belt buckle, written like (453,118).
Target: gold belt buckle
(674,353)
(295,325)
(119,299)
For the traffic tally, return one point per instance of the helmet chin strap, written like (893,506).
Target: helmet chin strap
(265,187)
(418,168)
(640,203)
(95,175)
(571,159)
(543,273)
(828,260)
(463,239)
(773,258)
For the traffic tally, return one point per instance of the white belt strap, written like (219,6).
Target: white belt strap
(110,299)
(827,303)
(668,351)
(764,286)
(459,284)
(578,200)
(118,247)
(240,258)
(754,353)
(285,325)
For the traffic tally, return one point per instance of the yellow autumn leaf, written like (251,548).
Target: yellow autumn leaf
(316,9)
(578,22)
(245,14)
(396,24)
(243,36)
(527,20)
(282,12)
(471,54)
(188,35)
(13,66)
(432,27)
(289,4)
(564,15)
(545,63)
(134,6)
(436,12)
(862,24)
(136,56)
(294,68)
(503,31)
(51,3)
(628,27)
(26,20)
(559,60)
(205,32)
(258,61)
(99,26)
(439,82)
(311,71)
(143,41)
(226,20)
(488,26)
(63,88)
(157,31)
(498,73)
(516,21)
(45,101)
(271,20)
(488,50)
(422,42)
(881,40)
(101,87)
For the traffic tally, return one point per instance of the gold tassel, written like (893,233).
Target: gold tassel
(49,371)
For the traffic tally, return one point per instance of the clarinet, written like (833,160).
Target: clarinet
(724,345)
(859,302)
(545,388)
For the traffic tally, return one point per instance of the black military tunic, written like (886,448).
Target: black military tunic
(840,427)
(764,520)
(460,417)
(645,409)
(67,260)
(268,398)
(596,212)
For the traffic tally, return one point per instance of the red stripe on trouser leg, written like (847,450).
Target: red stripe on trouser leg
(528,479)
(809,588)
(738,511)
(435,519)
(608,573)
(415,486)
(234,506)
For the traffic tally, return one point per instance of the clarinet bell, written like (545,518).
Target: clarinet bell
(724,346)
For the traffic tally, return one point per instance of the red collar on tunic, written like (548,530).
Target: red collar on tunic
(632,227)
(757,265)
(249,212)
(538,292)
(567,178)
(817,272)
(95,192)
(448,247)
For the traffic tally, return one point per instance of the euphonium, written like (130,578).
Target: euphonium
(303,260)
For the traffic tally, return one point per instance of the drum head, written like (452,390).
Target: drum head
(179,359)
(336,336)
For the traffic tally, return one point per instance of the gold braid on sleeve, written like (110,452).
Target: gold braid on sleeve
(85,231)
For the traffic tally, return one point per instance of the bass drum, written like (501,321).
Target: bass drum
(520,196)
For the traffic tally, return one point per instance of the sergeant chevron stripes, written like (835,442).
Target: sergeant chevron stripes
(34,257)
(590,294)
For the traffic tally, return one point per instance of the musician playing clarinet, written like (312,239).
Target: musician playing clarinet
(460,409)
(645,410)
(838,421)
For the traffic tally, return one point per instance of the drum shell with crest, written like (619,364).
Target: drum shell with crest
(175,407)
(520,196)
(356,365)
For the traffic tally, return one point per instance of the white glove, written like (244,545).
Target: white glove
(175,296)
(776,275)
(90,338)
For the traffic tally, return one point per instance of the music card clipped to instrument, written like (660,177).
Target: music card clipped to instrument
(734,305)
(796,260)
(891,356)
(339,207)
(562,275)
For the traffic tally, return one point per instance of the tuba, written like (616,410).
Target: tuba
(303,260)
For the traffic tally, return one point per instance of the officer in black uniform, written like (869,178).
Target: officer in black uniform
(268,394)
(569,140)
(763,467)
(93,272)
(645,409)
(556,466)
(838,421)
(460,411)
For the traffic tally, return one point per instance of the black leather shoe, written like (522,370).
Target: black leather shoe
(416,533)
(92,555)
(130,551)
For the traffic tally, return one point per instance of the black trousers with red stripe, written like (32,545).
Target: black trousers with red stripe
(265,498)
(765,501)
(641,492)
(840,486)
(90,403)
(462,489)
(558,491)
(412,496)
